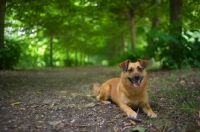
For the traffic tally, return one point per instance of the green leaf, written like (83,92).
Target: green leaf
(138,129)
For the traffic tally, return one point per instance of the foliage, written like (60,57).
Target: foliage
(185,54)
(132,55)
(97,32)
(10,54)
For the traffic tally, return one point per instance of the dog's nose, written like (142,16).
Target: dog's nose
(137,77)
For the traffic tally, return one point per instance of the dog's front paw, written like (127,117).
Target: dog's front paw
(132,114)
(152,114)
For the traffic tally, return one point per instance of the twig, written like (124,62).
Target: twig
(134,119)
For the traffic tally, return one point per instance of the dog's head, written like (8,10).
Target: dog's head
(134,72)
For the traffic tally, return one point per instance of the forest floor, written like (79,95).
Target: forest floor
(61,100)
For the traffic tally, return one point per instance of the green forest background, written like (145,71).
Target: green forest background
(58,33)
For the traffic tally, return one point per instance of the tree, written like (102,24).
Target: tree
(73,31)
(175,30)
(2,21)
(133,11)
(175,20)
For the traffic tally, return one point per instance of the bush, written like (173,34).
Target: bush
(185,54)
(9,54)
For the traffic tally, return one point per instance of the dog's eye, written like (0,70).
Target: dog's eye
(140,69)
(130,70)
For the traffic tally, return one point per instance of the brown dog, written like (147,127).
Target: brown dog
(129,91)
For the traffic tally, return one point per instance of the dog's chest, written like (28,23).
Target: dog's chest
(131,101)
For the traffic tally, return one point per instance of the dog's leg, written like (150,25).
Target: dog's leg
(147,109)
(128,111)
(104,94)
(96,89)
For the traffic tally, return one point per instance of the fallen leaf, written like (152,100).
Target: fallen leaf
(192,83)
(132,122)
(34,106)
(74,94)
(53,104)
(40,121)
(16,103)
(138,129)
(62,97)
(90,105)
(127,124)
(38,92)
(71,105)
(198,123)
(199,114)
(183,82)
(54,123)
(23,109)
(89,95)
(63,92)
(171,108)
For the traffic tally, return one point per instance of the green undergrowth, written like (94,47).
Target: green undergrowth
(176,99)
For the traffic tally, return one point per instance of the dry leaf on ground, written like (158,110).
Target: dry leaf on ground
(55,123)
(16,103)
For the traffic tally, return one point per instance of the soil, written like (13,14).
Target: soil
(62,100)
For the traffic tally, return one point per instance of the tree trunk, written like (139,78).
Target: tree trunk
(156,20)
(124,43)
(2,21)
(76,58)
(175,17)
(175,29)
(51,49)
(132,27)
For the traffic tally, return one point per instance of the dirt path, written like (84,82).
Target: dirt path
(60,100)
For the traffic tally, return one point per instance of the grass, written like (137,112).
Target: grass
(186,100)
(178,95)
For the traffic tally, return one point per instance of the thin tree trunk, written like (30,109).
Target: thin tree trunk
(2,21)
(67,56)
(51,49)
(132,27)
(76,58)
(124,43)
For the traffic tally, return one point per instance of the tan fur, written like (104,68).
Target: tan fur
(122,92)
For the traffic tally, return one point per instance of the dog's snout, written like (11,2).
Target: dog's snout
(136,77)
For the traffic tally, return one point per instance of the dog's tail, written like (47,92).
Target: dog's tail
(96,89)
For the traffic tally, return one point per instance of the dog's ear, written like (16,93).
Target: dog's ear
(143,63)
(124,65)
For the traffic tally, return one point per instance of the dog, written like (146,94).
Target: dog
(129,91)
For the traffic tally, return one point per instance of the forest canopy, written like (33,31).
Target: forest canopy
(60,33)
